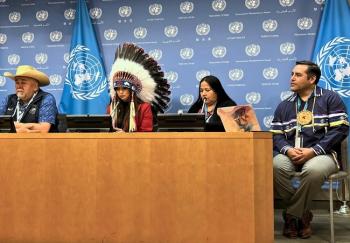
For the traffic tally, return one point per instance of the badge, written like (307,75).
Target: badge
(304,117)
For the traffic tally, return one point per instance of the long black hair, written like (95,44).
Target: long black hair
(216,86)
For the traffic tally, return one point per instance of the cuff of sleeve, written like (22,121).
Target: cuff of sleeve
(318,149)
(285,148)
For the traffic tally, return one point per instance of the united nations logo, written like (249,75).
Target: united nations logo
(270,73)
(42,15)
(110,34)
(250,4)
(304,23)
(41,58)
(55,79)
(171,31)
(218,5)
(13,59)
(320,2)
(186,53)
(235,27)
(287,48)
(28,37)
(334,61)
(156,54)
(236,74)
(253,97)
(186,7)
(2,81)
(66,57)
(270,25)
(286,3)
(69,14)
(267,121)
(201,74)
(56,36)
(15,17)
(140,32)
(203,29)
(286,94)
(95,13)
(252,50)
(218,51)
(125,11)
(186,99)
(3,38)
(155,9)
(171,76)
(84,74)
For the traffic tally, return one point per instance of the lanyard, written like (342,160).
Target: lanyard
(20,109)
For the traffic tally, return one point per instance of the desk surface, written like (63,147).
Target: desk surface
(140,187)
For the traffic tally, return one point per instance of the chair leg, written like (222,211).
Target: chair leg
(331,213)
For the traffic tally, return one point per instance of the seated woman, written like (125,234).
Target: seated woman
(211,96)
(138,89)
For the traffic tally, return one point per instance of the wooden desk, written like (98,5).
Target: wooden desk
(133,188)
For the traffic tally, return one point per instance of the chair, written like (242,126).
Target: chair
(341,175)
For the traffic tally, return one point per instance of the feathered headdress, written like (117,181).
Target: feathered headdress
(136,70)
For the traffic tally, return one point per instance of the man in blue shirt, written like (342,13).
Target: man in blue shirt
(308,129)
(33,109)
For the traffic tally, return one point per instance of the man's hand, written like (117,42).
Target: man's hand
(300,155)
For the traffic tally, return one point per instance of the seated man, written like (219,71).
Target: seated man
(308,128)
(33,109)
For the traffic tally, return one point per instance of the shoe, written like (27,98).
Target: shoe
(304,224)
(290,229)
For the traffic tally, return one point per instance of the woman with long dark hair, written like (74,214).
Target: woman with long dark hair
(138,90)
(211,96)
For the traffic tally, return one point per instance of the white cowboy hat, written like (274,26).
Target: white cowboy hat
(31,72)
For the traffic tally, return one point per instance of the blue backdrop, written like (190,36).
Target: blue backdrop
(251,45)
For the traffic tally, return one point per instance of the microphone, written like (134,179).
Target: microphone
(204,105)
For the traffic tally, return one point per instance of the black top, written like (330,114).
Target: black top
(214,124)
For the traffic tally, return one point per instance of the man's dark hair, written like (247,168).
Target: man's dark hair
(312,69)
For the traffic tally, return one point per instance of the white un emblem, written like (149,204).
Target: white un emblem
(13,59)
(270,73)
(270,25)
(28,37)
(253,97)
(55,79)
(201,74)
(267,121)
(286,3)
(156,54)
(287,48)
(42,15)
(15,17)
(236,74)
(69,14)
(140,32)
(250,4)
(125,11)
(218,51)
(218,5)
(186,7)
(286,94)
(110,34)
(186,53)
(334,61)
(155,9)
(304,23)
(41,58)
(2,81)
(252,50)
(56,36)
(171,76)
(95,13)
(84,74)
(203,29)
(235,27)
(3,38)
(186,99)
(171,31)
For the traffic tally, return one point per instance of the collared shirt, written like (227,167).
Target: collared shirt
(47,109)
(329,127)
